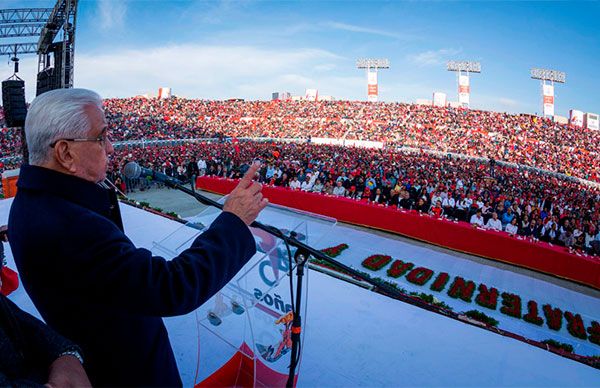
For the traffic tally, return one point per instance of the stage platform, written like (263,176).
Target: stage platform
(355,337)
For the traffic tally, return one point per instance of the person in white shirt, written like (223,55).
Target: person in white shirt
(307,184)
(448,204)
(512,228)
(339,190)
(548,225)
(479,203)
(494,222)
(461,209)
(202,166)
(295,184)
(468,202)
(181,170)
(317,187)
(477,219)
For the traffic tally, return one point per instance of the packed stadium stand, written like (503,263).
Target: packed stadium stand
(430,178)
(522,139)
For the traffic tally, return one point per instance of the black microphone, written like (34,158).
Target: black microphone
(132,170)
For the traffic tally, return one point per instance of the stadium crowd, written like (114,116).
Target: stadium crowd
(10,142)
(522,139)
(525,203)
(519,202)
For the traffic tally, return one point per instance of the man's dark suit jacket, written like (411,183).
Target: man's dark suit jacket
(27,347)
(92,285)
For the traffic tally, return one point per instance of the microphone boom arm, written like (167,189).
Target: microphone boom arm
(176,184)
(302,256)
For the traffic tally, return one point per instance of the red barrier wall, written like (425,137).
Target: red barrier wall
(461,236)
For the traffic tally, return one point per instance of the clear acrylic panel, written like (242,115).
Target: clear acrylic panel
(245,328)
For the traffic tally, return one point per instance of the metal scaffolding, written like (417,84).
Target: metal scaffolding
(55,59)
(62,19)
(22,22)
(24,15)
(18,30)
(18,48)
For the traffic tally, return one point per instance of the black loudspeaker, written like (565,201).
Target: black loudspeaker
(50,78)
(44,80)
(13,102)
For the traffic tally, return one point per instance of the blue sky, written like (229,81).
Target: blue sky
(248,49)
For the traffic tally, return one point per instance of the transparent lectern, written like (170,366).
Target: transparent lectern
(241,336)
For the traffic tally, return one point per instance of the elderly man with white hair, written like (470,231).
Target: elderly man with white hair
(84,275)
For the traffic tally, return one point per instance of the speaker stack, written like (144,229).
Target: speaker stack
(13,102)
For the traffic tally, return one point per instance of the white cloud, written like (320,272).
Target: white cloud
(111,13)
(214,11)
(411,91)
(325,67)
(364,30)
(299,28)
(496,103)
(211,72)
(200,71)
(508,102)
(432,57)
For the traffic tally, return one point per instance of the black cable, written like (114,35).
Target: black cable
(293,302)
(291,275)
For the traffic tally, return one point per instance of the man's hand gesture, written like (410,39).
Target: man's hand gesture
(246,200)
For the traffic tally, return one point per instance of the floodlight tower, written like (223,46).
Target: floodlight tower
(548,78)
(462,69)
(372,65)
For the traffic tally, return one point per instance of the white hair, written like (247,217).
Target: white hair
(54,115)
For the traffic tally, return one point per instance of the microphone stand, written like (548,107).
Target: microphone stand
(301,256)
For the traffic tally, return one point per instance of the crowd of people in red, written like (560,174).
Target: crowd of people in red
(525,202)
(522,139)
(517,201)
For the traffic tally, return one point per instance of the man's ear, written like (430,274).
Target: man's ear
(64,156)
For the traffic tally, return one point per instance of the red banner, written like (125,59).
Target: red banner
(463,237)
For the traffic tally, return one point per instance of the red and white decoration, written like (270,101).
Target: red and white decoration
(464,90)
(548,91)
(372,87)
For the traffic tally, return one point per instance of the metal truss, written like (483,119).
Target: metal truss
(45,24)
(21,22)
(62,18)
(18,30)
(24,15)
(18,48)
(63,14)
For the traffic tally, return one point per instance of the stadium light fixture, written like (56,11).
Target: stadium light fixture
(372,65)
(462,69)
(549,75)
(547,78)
(468,66)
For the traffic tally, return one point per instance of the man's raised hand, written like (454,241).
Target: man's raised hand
(246,200)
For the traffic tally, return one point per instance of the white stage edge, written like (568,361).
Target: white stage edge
(355,337)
